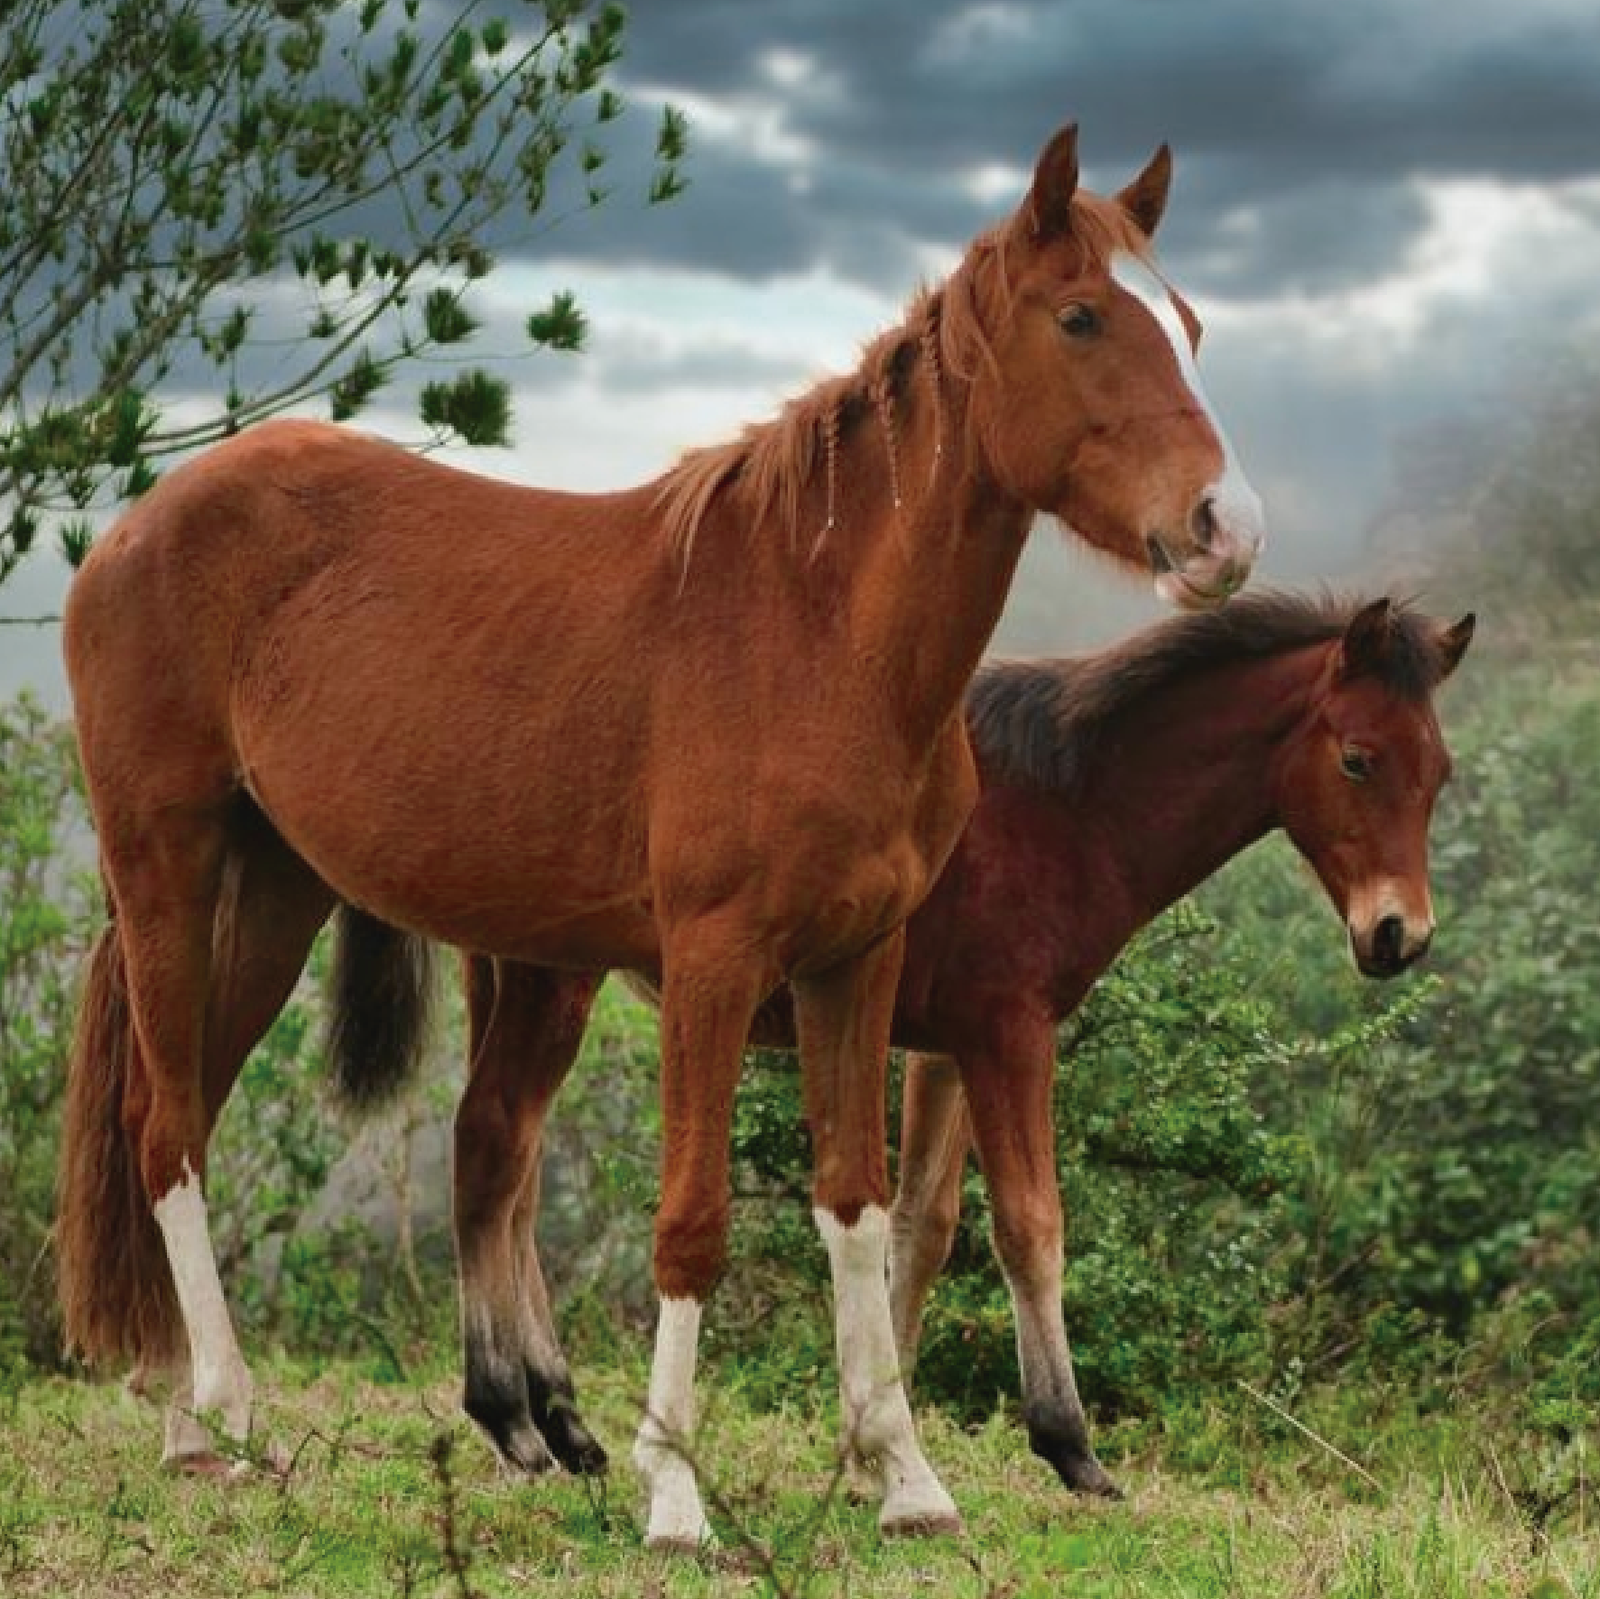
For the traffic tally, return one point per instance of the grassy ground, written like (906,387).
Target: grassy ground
(382,1490)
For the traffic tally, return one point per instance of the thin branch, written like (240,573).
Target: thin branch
(1316,1438)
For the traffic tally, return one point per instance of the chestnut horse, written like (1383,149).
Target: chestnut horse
(707,726)
(1112,785)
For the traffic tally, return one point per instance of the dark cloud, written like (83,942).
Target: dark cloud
(1317,122)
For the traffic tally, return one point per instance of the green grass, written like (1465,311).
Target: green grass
(383,1490)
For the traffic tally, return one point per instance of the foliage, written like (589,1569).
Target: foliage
(273,201)
(1171,1181)
(381,1490)
(47,916)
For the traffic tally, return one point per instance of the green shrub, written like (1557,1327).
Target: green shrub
(48,914)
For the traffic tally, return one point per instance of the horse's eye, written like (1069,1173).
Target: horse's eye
(1078,321)
(1355,764)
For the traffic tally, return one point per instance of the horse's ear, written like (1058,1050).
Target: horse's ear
(1368,636)
(1055,181)
(1453,642)
(1145,199)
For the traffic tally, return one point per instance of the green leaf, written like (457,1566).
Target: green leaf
(446,319)
(561,325)
(473,405)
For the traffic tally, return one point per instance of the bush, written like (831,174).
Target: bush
(48,919)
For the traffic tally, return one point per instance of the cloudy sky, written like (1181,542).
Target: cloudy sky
(1386,211)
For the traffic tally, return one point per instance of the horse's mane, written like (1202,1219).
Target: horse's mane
(947,329)
(1040,721)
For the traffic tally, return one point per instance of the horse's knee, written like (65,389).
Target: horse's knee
(691,1250)
(1028,1239)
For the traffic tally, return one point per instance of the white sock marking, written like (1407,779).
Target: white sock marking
(877,1418)
(221,1380)
(677,1517)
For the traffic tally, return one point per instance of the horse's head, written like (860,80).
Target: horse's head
(1362,772)
(1088,403)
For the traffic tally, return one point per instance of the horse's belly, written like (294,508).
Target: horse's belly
(536,858)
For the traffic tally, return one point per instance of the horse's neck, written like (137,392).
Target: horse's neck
(1195,777)
(933,570)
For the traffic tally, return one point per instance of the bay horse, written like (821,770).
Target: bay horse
(707,726)
(1111,786)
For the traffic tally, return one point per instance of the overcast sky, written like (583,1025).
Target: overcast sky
(1385,211)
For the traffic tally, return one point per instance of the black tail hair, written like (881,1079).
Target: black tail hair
(381,1003)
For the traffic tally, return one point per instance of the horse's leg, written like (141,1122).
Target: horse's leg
(1008,1084)
(552,1399)
(163,863)
(843,1020)
(526,1023)
(935,1135)
(710,992)
(270,907)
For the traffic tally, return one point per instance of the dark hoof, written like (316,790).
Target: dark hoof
(554,1408)
(1074,1462)
(578,1451)
(511,1430)
(1088,1476)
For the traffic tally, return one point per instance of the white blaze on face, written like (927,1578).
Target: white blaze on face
(1236,507)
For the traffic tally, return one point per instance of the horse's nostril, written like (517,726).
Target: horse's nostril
(1388,940)
(1203,523)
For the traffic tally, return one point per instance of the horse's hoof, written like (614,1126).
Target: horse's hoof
(939,1524)
(582,1456)
(517,1441)
(1089,1477)
(530,1462)
(523,1451)
(570,1441)
(676,1544)
(204,1463)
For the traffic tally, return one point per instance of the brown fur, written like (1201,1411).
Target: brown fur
(1042,721)
(1113,784)
(671,727)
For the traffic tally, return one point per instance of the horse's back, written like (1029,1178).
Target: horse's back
(347,631)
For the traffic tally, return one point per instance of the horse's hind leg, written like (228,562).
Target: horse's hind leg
(526,1025)
(270,906)
(163,865)
(935,1135)
(1008,1084)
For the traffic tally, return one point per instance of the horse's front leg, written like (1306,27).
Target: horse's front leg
(1008,1085)
(935,1135)
(526,1023)
(712,984)
(843,1018)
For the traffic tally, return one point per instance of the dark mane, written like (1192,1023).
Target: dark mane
(1041,720)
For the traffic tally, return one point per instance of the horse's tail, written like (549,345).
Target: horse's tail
(378,1022)
(114,1282)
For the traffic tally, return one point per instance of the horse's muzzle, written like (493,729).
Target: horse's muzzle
(1211,560)
(1389,946)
